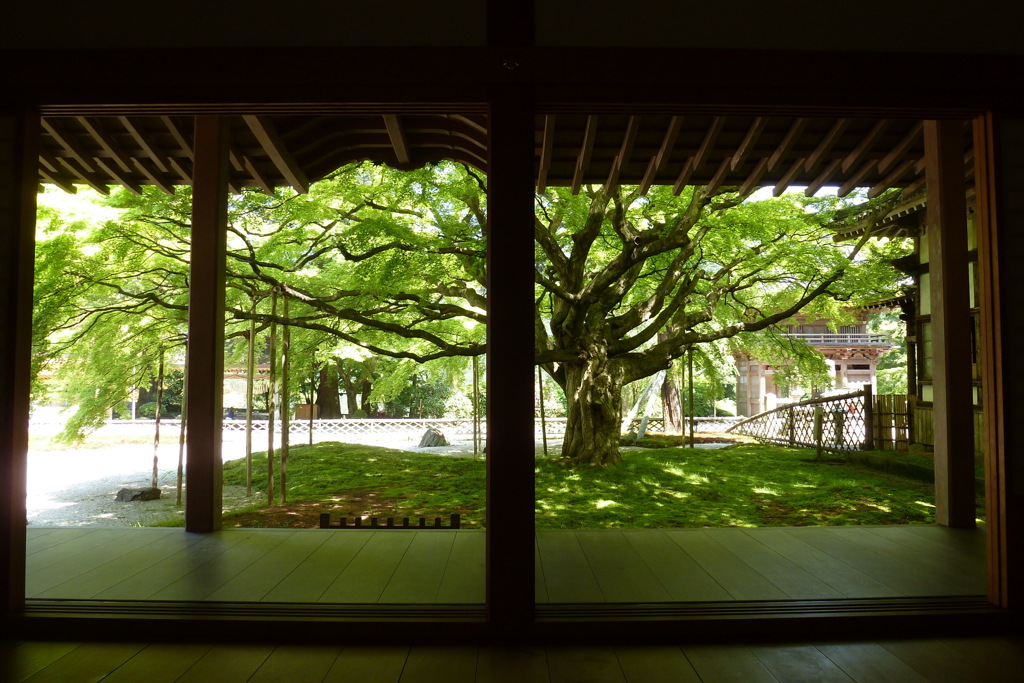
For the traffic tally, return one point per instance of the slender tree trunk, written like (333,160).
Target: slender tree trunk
(250,381)
(154,480)
(364,398)
(182,434)
(285,403)
(671,400)
(272,400)
(594,409)
(312,402)
(477,436)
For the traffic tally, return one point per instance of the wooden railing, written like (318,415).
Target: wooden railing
(840,339)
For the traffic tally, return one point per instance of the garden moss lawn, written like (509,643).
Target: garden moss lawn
(742,485)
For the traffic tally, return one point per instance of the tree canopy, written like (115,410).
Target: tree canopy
(381,264)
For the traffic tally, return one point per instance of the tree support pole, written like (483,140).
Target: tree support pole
(510,342)
(19,172)
(206,325)
(953,406)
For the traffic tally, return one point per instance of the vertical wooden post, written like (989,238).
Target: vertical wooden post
(510,352)
(869,418)
(951,343)
(689,372)
(272,398)
(999,174)
(543,421)
(206,325)
(19,162)
(286,342)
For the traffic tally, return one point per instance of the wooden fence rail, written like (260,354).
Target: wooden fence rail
(840,424)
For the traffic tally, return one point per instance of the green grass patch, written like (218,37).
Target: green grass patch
(743,485)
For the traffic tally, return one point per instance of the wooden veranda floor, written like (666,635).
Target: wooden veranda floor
(447,567)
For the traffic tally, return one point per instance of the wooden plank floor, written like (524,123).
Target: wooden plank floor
(447,567)
(976,659)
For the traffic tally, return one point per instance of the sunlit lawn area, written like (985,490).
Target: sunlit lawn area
(742,485)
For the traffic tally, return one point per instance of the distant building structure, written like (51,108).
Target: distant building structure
(851,351)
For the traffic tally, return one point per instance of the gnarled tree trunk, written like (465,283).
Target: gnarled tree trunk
(594,401)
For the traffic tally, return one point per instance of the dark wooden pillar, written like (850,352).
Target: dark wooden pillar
(206,325)
(951,342)
(510,360)
(19,159)
(999,159)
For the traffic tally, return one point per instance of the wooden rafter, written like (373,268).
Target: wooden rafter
(398,141)
(149,148)
(755,176)
(186,177)
(658,161)
(900,150)
(684,177)
(825,146)
(749,140)
(890,180)
(857,178)
(55,179)
(710,139)
(87,177)
(547,148)
(794,169)
(155,176)
(278,152)
(258,176)
(70,144)
(866,143)
(823,178)
(117,174)
(178,135)
(628,138)
(106,142)
(787,144)
(719,177)
(583,159)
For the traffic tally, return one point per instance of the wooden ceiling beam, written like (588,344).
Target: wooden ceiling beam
(747,146)
(106,143)
(118,176)
(855,180)
(398,140)
(274,146)
(179,136)
(70,145)
(625,151)
(185,176)
(583,160)
(822,178)
(155,175)
(148,147)
(714,130)
(547,148)
(719,177)
(258,176)
(87,177)
(658,161)
(826,145)
(891,179)
(49,161)
(684,177)
(787,144)
(55,179)
(900,150)
(867,142)
(786,179)
(755,176)
(914,186)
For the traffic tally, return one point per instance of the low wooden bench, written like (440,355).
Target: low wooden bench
(389,523)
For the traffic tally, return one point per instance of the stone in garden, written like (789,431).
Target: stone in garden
(132,495)
(433,437)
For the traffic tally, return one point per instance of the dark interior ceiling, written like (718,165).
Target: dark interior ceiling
(571,149)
